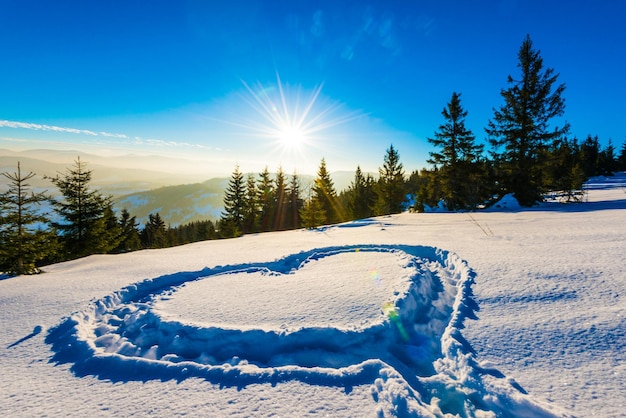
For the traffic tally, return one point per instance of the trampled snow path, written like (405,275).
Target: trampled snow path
(395,328)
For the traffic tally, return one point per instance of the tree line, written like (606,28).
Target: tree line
(530,156)
(82,222)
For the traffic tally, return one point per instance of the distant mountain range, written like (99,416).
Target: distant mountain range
(179,199)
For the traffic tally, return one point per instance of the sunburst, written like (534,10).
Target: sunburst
(292,121)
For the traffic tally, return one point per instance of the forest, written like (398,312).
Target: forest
(529,157)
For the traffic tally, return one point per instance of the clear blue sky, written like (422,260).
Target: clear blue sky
(192,77)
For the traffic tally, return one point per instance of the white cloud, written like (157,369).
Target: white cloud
(39,127)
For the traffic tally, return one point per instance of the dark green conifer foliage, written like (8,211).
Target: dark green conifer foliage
(360,196)
(590,156)
(24,235)
(312,214)
(155,233)
(621,159)
(457,158)
(522,126)
(83,229)
(564,172)
(607,161)
(266,199)
(390,192)
(251,218)
(280,202)
(129,233)
(294,203)
(324,193)
(233,217)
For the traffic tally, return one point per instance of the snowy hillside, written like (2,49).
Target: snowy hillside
(503,313)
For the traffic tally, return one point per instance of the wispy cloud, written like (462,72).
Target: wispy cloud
(134,140)
(39,127)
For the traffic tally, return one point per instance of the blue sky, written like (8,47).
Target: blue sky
(220,81)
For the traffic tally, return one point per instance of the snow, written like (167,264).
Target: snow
(508,312)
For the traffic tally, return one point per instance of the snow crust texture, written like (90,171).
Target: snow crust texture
(394,330)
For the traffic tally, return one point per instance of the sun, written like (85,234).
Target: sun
(291,136)
(293,120)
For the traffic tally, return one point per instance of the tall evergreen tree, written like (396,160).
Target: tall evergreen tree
(251,219)
(233,217)
(360,196)
(294,203)
(83,226)
(25,238)
(280,201)
(457,158)
(266,199)
(522,126)
(390,193)
(324,193)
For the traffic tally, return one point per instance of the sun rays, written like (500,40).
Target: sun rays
(292,120)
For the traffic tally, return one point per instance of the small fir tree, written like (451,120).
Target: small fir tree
(251,218)
(324,193)
(390,193)
(360,196)
(129,233)
(83,212)
(294,203)
(280,202)
(266,199)
(233,217)
(155,234)
(25,238)
(312,214)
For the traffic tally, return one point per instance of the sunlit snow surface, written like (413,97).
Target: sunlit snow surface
(362,319)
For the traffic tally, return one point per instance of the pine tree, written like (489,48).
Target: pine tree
(155,234)
(25,238)
(564,170)
(621,159)
(390,193)
(312,214)
(324,193)
(129,233)
(294,203)
(280,201)
(232,220)
(360,195)
(457,158)
(590,156)
(251,219)
(522,126)
(83,229)
(607,162)
(266,199)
